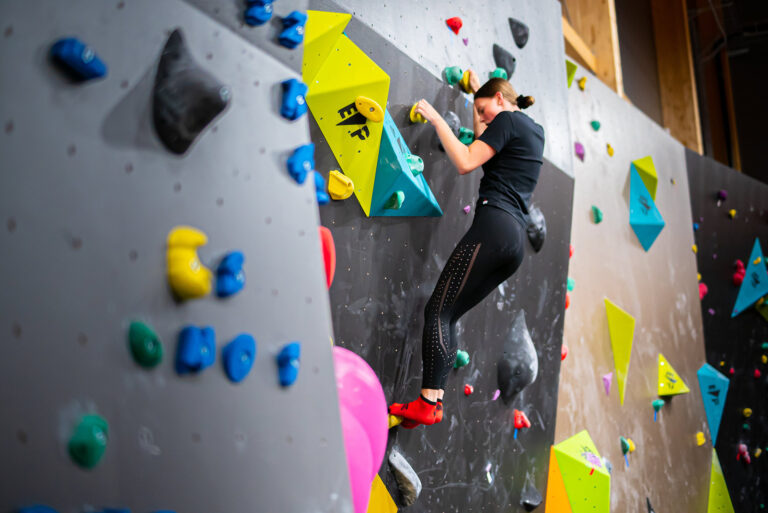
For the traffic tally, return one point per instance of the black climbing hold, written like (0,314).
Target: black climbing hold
(504,59)
(518,366)
(648,503)
(454,123)
(407,480)
(530,498)
(186,98)
(537,228)
(519,32)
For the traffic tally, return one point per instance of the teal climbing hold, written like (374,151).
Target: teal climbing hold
(571,284)
(89,441)
(644,217)
(395,201)
(466,136)
(714,388)
(498,73)
(462,359)
(597,215)
(416,164)
(146,347)
(453,74)
(595,125)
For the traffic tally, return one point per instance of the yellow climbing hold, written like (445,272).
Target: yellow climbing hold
(369,108)
(464,82)
(339,186)
(695,248)
(187,277)
(722,363)
(415,117)
(394,420)
(747,412)
(698,276)
(764,358)
(609,148)
(700,439)
(758,452)
(757,261)
(582,83)
(732,213)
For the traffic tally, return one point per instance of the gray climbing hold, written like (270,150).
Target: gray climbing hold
(648,503)
(519,365)
(407,480)
(504,59)
(454,123)
(519,32)
(186,98)
(530,497)
(537,228)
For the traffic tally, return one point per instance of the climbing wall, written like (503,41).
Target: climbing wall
(657,288)
(88,195)
(418,29)
(386,270)
(734,346)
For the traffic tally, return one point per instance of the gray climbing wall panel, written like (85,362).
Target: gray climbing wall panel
(658,288)
(387,268)
(87,198)
(418,29)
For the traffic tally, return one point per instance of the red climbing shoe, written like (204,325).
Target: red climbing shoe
(420,411)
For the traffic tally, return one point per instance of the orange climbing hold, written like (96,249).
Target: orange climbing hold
(454,24)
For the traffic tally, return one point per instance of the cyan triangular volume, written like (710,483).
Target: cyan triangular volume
(714,388)
(755,284)
(644,217)
(395,180)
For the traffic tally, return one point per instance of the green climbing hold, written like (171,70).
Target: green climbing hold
(416,164)
(88,443)
(595,125)
(571,284)
(146,347)
(453,74)
(462,359)
(395,201)
(498,73)
(570,71)
(746,427)
(657,404)
(624,445)
(597,215)
(466,136)
(765,346)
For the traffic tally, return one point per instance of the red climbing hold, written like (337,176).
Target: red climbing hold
(563,352)
(744,453)
(521,421)
(567,300)
(329,254)
(758,373)
(468,389)
(454,24)
(731,371)
(570,250)
(703,289)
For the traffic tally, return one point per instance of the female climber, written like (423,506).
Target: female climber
(509,146)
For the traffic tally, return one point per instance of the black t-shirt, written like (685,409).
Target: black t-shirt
(510,176)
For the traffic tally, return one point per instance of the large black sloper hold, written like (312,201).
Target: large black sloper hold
(537,228)
(519,365)
(519,32)
(186,98)
(504,59)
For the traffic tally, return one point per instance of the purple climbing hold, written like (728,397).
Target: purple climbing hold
(467,209)
(579,148)
(465,40)
(722,194)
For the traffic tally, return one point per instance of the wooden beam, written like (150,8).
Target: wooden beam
(677,84)
(577,49)
(735,162)
(595,22)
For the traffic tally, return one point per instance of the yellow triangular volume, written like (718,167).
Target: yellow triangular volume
(557,497)
(586,480)
(719,499)
(380,501)
(354,140)
(321,32)
(622,329)
(670,382)
(647,172)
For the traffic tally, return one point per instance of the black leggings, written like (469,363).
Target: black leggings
(489,253)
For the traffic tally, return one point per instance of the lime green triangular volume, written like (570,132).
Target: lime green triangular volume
(570,71)
(719,498)
(587,481)
(670,382)
(321,32)
(647,172)
(621,326)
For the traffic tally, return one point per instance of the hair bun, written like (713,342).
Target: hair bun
(524,101)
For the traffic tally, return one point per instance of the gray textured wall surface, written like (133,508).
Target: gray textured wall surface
(658,287)
(736,342)
(87,197)
(419,30)
(387,268)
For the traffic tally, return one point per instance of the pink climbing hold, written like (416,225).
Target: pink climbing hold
(607,383)
(467,209)
(496,394)
(454,24)
(744,453)
(579,148)
(703,289)
(758,373)
(711,311)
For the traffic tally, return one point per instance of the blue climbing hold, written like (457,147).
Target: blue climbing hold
(322,195)
(78,59)
(196,349)
(238,357)
(301,162)
(294,99)
(695,227)
(293,30)
(230,278)
(258,12)
(288,363)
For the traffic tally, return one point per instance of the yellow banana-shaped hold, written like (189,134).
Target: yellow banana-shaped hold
(394,420)
(464,82)
(187,276)
(415,117)
(339,186)
(369,108)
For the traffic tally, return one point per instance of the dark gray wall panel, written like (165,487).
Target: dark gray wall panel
(87,198)
(736,342)
(387,268)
